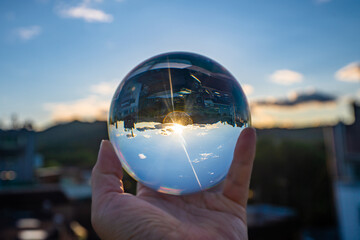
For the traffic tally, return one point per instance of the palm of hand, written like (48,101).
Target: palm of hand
(153,215)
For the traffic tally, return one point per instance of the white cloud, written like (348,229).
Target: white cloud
(303,115)
(86,13)
(248,89)
(349,73)
(27,33)
(141,156)
(92,107)
(286,77)
(295,93)
(105,88)
(292,95)
(89,108)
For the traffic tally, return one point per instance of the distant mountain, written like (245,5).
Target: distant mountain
(73,143)
(314,134)
(289,170)
(77,143)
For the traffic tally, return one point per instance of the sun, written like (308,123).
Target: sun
(177,128)
(178,117)
(176,121)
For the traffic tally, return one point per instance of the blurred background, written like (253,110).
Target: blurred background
(297,61)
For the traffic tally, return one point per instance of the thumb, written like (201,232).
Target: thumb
(237,182)
(107,173)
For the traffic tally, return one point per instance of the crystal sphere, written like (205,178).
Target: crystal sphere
(174,121)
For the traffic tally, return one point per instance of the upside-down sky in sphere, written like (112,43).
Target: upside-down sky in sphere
(298,61)
(174,121)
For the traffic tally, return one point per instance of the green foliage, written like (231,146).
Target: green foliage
(75,144)
(71,144)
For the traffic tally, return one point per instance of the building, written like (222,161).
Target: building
(44,204)
(343,145)
(17,156)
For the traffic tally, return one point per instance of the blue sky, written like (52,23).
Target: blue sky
(61,60)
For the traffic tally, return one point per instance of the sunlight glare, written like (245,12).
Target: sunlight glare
(177,128)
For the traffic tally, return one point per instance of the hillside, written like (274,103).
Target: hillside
(75,143)
(314,134)
(289,169)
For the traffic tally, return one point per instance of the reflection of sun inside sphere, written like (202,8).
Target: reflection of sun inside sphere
(178,117)
(174,122)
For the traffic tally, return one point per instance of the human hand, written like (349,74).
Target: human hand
(218,213)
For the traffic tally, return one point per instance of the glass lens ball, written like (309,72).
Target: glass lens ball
(174,121)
